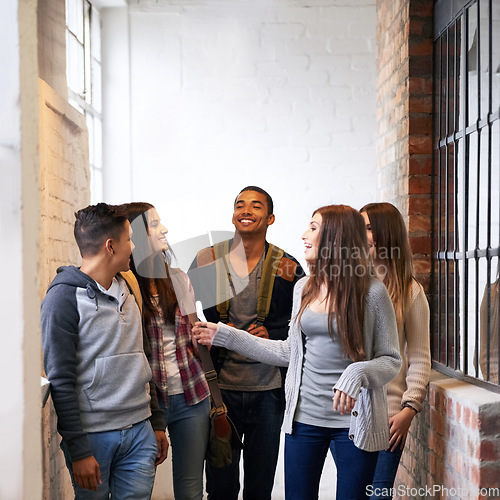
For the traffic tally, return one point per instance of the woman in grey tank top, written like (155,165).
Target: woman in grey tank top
(342,343)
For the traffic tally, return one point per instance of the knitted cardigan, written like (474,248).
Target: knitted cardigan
(363,381)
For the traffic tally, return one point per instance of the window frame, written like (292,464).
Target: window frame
(83,33)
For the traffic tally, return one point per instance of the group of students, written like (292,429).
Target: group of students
(120,352)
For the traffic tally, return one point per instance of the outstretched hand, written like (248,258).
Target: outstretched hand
(204,332)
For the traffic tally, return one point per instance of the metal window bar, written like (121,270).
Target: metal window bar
(456,113)
(448,264)
(437,225)
(464,51)
(489,173)
(478,133)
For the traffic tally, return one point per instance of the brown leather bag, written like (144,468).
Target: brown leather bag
(223,439)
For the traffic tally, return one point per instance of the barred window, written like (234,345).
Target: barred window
(466,239)
(83,73)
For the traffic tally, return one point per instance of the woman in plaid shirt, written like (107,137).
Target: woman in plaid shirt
(177,371)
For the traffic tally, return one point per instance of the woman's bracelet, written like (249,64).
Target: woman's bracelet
(408,405)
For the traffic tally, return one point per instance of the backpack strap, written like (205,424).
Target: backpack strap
(156,418)
(133,286)
(271,265)
(221,253)
(224,282)
(210,373)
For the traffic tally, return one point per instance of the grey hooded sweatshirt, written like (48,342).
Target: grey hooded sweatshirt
(93,357)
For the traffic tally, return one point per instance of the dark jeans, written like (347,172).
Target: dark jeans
(258,417)
(385,473)
(305,454)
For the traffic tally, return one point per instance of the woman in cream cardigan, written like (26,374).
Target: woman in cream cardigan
(342,345)
(393,264)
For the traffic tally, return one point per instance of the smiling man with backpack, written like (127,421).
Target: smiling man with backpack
(251,284)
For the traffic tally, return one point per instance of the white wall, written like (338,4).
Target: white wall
(225,94)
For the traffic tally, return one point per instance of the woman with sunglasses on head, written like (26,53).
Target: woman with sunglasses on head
(393,264)
(342,343)
(177,371)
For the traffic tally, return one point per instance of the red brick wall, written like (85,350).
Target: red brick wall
(453,449)
(420,29)
(404,117)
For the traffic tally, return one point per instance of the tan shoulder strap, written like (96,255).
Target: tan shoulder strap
(210,373)
(221,253)
(271,265)
(133,286)
(269,271)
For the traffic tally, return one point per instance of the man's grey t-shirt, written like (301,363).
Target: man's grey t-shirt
(239,373)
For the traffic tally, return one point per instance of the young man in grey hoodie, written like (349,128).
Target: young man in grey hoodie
(94,359)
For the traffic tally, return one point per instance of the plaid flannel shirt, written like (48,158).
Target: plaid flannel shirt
(194,384)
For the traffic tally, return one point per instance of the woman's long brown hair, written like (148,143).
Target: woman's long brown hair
(392,250)
(343,265)
(153,271)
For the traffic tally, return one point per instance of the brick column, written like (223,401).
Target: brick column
(420,46)
(404,118)
(404,166)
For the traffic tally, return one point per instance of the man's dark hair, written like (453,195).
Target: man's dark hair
(97,223)
(270,205)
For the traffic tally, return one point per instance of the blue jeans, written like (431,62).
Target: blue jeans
(305,454)
(385,473)
(188,428)
(126,459)
(257,417)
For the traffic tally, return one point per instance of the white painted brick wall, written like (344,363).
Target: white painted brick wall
(64,188)
(225,94)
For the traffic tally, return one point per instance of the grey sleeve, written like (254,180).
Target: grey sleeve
(59,317)
(270,352)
